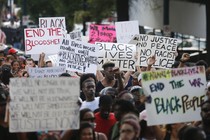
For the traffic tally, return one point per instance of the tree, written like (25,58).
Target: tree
(2,5)
(71,9)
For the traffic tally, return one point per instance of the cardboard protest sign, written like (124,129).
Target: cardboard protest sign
(78,56)
(52,22)
(123,55)
(45,72)
(54,59)
(164,48)
(102,33)
(75,35)
(176,94)
(125,30)
(38,40)
(42,104)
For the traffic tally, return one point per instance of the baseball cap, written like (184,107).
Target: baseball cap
(135,88)
(12,51)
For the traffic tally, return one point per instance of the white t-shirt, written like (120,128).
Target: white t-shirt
(93,105)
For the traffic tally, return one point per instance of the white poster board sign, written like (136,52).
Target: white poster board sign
(54,59)
(38,40)
(125,30)
(176,94)
(42,104)
(164,48)
(46,72)
(52,22)
(123,55)
(75,35)
(78,56)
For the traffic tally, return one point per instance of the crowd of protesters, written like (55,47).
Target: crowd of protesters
(112,104)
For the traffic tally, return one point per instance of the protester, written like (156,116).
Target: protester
(15,68)
(126,95)
(205,115)
(86,116)
(86,132)
(4,126)
(110,72)
(139,97)
(129,130)
(2,37)
(109,91)
(14,53)
(84,77)
(30,63)
(120,109)
(6,74)
(104,119)
(191,133)
(9,59)
(88,88)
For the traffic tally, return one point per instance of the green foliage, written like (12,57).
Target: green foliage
(72,10)
(100,9)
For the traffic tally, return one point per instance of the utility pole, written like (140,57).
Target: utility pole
(84,18)
(122,10)
(208,31)
(166,27)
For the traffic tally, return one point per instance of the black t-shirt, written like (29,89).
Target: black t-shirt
(6,135)
(100,86)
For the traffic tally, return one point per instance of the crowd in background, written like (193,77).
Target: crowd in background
(112,104)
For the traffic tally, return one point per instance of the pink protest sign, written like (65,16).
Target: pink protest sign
(102,33)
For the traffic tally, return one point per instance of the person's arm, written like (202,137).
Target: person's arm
(41,62)
(120,85)
(138,69)
(185,58)
(127,76)
(99,75)
(151,61)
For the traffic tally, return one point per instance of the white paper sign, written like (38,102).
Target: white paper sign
(46,72)
(76,35)
(123,55)
(125,30)
(78,56)
(164,48)
(42,104)
(52,22)
(54,59)
(38,40)
(176,94)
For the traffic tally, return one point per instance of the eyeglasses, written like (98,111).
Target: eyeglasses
(89,119)
(126,131)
